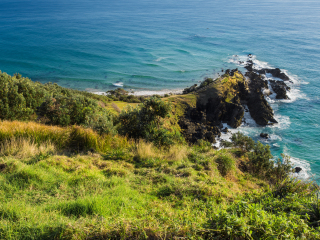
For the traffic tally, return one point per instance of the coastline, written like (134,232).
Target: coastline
(146,92)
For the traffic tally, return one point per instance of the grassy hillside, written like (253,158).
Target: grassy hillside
(112,171)
(121,189)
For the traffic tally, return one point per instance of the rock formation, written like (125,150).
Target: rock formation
(226,99)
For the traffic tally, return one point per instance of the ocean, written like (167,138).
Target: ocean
(169,45)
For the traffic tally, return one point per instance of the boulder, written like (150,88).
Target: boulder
(280,88)
(275,72)
(259,108)
(264,135)
(225,130)
(297,169)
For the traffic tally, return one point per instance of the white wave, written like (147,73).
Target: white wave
(274,137)
(247,119)
(159,59)
(294,81)
(242,61)
(118,84)
(283,122)
(305,173)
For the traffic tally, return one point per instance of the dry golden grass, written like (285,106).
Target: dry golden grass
(146,150)
(25,148)
(35,132)
(75,137)
(177,153)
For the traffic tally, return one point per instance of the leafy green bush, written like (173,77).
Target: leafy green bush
(245,220)
(226,163)
(245,143)
(195,87)
(146,122)
(101,122)
(120,94)
(21,98)
(260,162)
(18,97)
(65,111)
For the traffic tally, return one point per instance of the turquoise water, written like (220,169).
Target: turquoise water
(151,45)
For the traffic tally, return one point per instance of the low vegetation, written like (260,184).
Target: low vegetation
(99,175)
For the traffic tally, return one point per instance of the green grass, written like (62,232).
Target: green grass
(137,191)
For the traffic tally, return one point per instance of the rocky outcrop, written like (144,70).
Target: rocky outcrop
(297,169)
(275,72)
(226,99)
(280,88)
(264,135)
(259,108)
(218,102)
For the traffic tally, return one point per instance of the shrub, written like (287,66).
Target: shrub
(260,164)
(20,99)
(17,97)
(226,163)
(146,122)
(259,160)
(245,143)
(120,94)
(101,122)
(249,221)
(64,111)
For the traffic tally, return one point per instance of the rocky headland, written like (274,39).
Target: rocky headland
(225,100)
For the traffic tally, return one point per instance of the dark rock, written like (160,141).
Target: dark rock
(209,136)
(249,65)
(236,117)
(264,135)
(280,88)
(259,108)
(275,72)
(297,169)
(225,130)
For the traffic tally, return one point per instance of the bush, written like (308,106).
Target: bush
(65,111)
(226,163)
(260,164)
(195,87)
(146,122)
(250,221)
(245,143)
(18,97)
(259,160)
(120,94)
(101,122)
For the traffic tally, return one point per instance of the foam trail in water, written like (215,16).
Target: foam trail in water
(305,173)
(294,81)
(159,59)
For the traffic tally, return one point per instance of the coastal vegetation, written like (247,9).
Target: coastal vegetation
(72,168)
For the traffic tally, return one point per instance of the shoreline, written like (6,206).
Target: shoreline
(146,92)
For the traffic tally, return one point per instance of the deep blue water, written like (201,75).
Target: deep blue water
(156,45)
